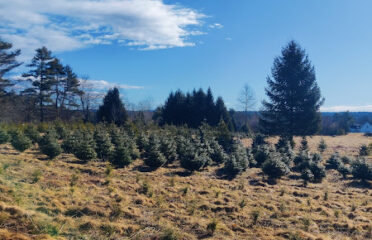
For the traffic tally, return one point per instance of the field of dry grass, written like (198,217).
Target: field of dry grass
(64,199)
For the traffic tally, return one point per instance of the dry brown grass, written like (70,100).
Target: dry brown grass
(131,203)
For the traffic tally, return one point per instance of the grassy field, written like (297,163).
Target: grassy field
(64,199)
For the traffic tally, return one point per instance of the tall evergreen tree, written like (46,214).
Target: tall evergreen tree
(112,110)
(56,74)
(39,77)
(294,96)
(7,63)
(70,89)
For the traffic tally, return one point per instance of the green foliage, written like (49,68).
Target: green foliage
(224,136)
(103,145)
(192,158)
(274,167)
(20,142)
(237,162)
(49,145)
(259,140)
(334,162)
(363,151)
(112,110)
(309,166)
(361,170)
(84,150)
(304,144)
(294,96)
(192,109)
(154,158)
(322,146)
(60,130)
(121,156)
(261,154)
(344,170)
(218,155)
(70,143)
(32,133)
(4,136)
(142,141)
(169,149)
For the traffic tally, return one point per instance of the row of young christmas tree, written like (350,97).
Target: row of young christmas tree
(192,149)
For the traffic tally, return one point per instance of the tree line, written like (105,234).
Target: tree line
(292,105)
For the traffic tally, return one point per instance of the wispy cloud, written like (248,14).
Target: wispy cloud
(104,85)
(64,25)
(344,108)
(93,85)
(216,25)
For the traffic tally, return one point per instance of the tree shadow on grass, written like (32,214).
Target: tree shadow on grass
(359,184)
(143,168)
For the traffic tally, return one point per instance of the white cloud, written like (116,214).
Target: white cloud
(228,39)
(64,25)
(344,108)
(104,85)
(216,25)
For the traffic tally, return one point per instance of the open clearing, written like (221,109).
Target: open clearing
(64,199)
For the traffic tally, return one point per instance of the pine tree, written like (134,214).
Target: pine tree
(70,89)
(56,74)
(7,63)
(294,96)
(112,110)
(39,77)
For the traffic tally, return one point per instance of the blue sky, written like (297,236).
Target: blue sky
(159,46)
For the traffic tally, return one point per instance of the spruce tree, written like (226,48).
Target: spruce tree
(154,158)
(19,141)
(294,96)
(104,146)
(112,110)
(4,136)
(49,145)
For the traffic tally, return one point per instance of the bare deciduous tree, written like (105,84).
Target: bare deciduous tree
(247,100)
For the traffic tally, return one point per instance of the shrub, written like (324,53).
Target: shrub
(322,146)
(224,136)
(258,140)
(169,148)
(142,142)
(302,161)
(361,170)
(334,162)
(307,175)
(212,227)
(344,170)
(20,142)
(49,145)
(4,137)
(238,161)
(304,144)
(154,158)
(84,149)
(103,144)
(318,172)
(346,160)
(363,150)
(218,155)
(71,141)
(32,133)
(317,158)
(261,154)
(121,157)
(274,167)
(60,130)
